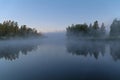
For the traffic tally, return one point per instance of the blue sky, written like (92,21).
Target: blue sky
(55,15)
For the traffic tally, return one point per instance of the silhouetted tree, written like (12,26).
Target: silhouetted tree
(83,30)
(95,25)
(102,30)
(95,29)
(90,30)
(115,28)
(78,30)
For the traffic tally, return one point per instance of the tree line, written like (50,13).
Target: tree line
(85,30)
(10,29)
(94,30)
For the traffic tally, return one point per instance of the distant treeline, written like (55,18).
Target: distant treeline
(10,29)
(94,30)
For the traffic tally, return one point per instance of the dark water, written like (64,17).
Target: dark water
(56,58)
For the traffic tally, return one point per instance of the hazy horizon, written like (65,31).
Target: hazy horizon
(56,15)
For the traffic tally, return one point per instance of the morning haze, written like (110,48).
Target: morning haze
(59,40)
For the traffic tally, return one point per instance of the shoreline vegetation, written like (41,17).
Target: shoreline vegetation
(94,31)
(11,30)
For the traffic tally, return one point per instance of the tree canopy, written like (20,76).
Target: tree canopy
(12,29)
(84,30)
(115,28)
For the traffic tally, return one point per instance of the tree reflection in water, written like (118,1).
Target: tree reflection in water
(94,48)
(11,51)
(115,50)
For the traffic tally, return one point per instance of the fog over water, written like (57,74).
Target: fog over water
(55,57)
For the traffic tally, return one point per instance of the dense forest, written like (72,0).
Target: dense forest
(10,29)
(94,30)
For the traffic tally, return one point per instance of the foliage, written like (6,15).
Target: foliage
(115,28)
(11,29)
(84,30)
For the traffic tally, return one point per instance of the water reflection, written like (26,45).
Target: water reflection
(12,51)
(94,48)
(115,50)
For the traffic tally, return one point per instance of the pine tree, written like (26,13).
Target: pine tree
(96,25)
(102,30)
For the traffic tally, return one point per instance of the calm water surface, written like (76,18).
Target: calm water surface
(57,58)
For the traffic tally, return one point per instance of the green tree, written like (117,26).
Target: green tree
(96,25)
(102,30)
(11,29)
(95,29)
(115,28)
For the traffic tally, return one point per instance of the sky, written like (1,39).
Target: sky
(56,15)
